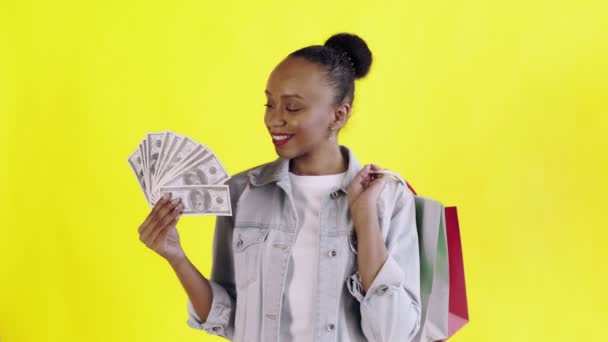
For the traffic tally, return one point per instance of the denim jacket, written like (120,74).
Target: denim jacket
(251,251)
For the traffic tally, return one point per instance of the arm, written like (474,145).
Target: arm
(212,302)
(387,284)
(196,285)
(371,251)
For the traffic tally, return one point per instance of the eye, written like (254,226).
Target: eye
(268,105)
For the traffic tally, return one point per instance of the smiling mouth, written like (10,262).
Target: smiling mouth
(281,139)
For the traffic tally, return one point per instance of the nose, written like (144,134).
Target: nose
(274,118)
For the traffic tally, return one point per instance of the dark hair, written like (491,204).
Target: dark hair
(345,58)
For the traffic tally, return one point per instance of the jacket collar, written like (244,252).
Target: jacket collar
(278,171)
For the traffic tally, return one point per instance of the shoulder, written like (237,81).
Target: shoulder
(240,180)
(396,196)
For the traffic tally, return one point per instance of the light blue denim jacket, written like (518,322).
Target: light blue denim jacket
(251,251)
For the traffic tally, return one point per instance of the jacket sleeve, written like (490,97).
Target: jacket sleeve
(220,320)
(390,309)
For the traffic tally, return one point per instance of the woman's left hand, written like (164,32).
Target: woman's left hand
(363,193)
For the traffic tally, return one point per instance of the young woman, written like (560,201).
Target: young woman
(318,247)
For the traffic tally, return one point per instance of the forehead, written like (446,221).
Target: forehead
(296,75)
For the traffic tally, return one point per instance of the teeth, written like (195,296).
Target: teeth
(280,137)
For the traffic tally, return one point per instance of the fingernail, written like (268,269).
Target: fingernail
(166,196)
(175,200)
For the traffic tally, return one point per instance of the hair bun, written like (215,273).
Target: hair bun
(355,48)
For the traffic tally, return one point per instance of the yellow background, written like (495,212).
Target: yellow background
(497,107)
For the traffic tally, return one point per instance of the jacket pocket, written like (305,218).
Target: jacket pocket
(247,244)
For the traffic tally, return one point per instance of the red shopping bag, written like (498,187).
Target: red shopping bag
(459,313)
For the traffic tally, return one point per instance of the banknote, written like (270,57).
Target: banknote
(202,199)
(195,155)
(206,171)
(163,150)
(137,165)
(168,159)
(154,143)
(182,152)
(142,149)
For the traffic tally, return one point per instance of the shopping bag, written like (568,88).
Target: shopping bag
(459,311)
(434,270)
(443,290)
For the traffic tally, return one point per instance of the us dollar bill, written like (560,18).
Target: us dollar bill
(206,171)
(137,165)
(197,154)
(185,148)
(154,144)
(202,199)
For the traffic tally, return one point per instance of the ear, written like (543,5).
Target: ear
(341,115)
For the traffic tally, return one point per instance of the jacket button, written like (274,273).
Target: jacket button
(216,329)
(333,195)
(332,253)
(330,327)
(381,290)
(239,243)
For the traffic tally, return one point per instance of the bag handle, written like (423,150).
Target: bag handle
(396,175)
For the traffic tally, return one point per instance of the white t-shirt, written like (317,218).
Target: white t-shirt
(309,192)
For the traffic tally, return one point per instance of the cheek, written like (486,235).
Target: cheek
(305,134)
(311,128)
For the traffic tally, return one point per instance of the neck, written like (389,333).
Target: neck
(328,161)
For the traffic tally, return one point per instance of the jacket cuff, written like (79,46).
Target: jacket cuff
(390,276)
(219,315)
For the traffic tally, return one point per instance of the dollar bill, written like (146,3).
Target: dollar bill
(154,142)
(163,149)
(169,147)
(170,160)
(206,171)
(184,149)
(137,165)
(199,153)
(202,199)
(144,156)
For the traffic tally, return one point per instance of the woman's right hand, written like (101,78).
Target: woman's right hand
(158,231)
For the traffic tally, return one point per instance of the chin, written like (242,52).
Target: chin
(288,153)
(283,154)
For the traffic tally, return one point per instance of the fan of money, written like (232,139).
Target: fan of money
(168,162)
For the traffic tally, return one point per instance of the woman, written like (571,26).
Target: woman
(318,247)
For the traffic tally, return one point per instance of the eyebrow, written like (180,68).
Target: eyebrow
(286,95)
